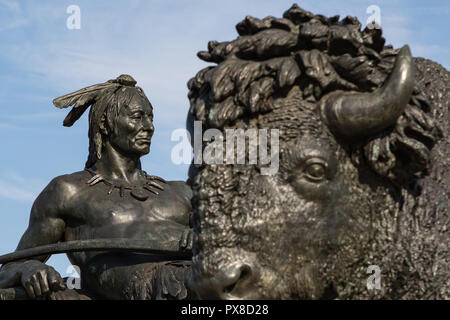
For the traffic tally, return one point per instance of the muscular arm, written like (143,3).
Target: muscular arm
(184,191)
(45,226)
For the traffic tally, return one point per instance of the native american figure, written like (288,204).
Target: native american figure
(112,199)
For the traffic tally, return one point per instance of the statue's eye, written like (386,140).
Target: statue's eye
(315,172)
(136,115)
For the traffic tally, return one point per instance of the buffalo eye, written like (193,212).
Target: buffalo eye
(315,172)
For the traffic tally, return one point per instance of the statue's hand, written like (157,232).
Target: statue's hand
(186,240)
(39,279)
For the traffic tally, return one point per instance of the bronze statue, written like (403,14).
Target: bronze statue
(113,198)
(364,159)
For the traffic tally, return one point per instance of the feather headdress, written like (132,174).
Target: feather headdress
(83,98)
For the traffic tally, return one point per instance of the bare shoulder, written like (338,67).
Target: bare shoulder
(62,189)
(178,196)
(181,188)
(69,183)
(51,208)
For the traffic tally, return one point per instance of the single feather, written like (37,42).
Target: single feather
(81,100)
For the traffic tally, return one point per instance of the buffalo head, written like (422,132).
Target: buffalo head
(359,124)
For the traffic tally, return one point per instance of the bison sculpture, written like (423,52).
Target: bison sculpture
(363,165)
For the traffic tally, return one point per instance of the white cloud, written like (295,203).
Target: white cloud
(9,191)
(30,116)
(429,50)
(14,17)
(7,126)
(16,23)
(14,186)
(12,6)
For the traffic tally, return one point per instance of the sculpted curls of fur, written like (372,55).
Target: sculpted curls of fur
(342,200)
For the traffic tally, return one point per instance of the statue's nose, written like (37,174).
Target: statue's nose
(233,282)
(148,124)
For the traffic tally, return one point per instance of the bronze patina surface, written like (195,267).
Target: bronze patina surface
(364,161)
(112,198)
(362,180)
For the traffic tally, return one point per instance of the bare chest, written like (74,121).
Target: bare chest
(97,209)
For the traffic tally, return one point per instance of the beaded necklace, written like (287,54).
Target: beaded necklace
(152,184)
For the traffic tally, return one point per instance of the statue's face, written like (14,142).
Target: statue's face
(132,130)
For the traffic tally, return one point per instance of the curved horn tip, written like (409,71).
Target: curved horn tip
(405,50)
(355,114)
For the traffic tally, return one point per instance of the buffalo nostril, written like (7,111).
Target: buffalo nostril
(232,282)
(229,288)
(237,277)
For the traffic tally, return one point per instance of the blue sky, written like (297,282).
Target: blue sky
(154,41)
